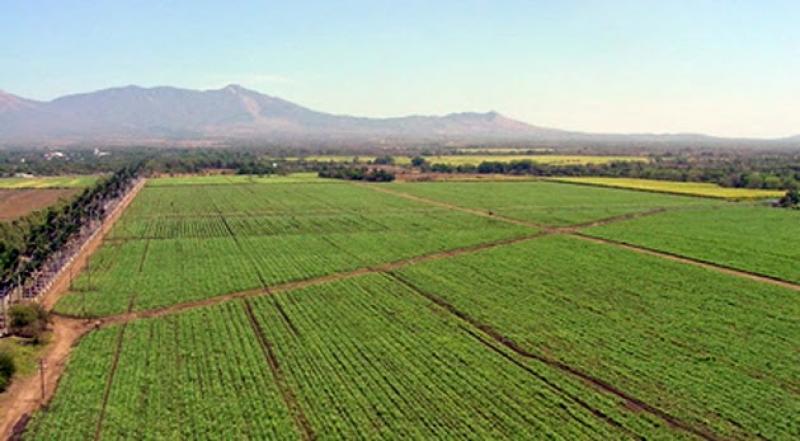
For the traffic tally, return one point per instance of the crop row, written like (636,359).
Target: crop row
(710,349)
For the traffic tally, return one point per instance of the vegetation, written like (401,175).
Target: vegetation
(365,358)
(26,246)
(357,174)
(180,243)
(7,369)
(790,200)
(753,238)
(706,347)
(688,188)
(28,320)
(477,160)
(547,203)
(49,182)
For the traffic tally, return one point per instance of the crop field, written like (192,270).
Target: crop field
(687,188)
(708,348)
(81,181)
(545,203)
(181,243)
(752,238)
(365,358)
(220,179)
(233,307)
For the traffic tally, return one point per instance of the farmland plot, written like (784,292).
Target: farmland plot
(757,239)
(364,358)
(545,203)
(184,243)
(198,375)
(707,348)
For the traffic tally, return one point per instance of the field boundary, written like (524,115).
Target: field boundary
(744,274)
(558,365)
(289,398)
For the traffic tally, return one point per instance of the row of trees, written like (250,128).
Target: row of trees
(24,252)
(356,173)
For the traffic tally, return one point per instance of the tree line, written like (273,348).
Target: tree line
(355,173)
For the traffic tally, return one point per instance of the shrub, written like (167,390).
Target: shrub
(7,369)
(28,320)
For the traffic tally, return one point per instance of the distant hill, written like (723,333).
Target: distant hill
(136,115)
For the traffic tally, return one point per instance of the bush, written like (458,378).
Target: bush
(7,369)
(28,320)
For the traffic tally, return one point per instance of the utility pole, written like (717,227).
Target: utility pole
(41,376)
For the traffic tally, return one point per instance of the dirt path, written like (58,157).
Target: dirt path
(24,395)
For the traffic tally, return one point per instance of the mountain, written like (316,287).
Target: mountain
(134,113)
(233,114)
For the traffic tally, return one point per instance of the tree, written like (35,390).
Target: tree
(417,161)
(790,199)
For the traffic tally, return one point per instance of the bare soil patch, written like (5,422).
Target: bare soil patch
(15,204)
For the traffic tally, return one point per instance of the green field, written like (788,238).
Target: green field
(183,243)
(220,179)
(688,188)
(49,182)
(546,203)
(504,331)
(365,359)
(706,347)
(762,240)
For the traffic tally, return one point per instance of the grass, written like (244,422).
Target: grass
(181,243)
(25,354)
(687,188)
(708,348)
(758,239)
(81,181)
(547,203)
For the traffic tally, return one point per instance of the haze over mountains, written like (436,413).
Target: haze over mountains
(164,115)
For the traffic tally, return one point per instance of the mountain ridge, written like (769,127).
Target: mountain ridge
(165,114)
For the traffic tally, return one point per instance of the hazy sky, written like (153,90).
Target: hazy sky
(719,67)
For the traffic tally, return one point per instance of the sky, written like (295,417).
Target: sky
(728,68)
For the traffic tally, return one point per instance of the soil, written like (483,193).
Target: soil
(15,204)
